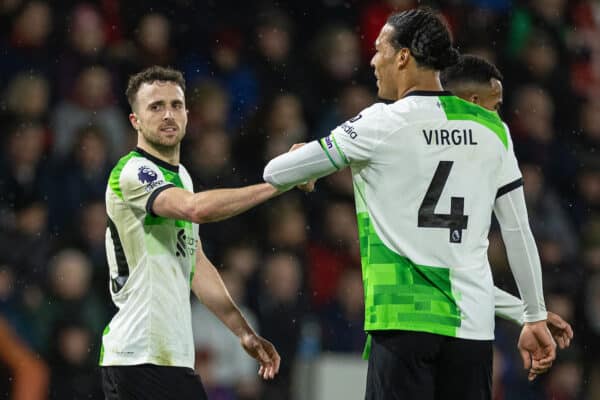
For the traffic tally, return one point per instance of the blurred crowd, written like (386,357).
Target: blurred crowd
(260,77)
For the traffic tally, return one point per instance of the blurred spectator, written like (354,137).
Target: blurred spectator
(546,214)
(91,103)
(587,204)
(286,226)
(69,296)
(8,9)
(591,334)
(277,66)
(343,319)
(540,65)
(226,64)
(86,35)
(561,303)
(587,145)
(590,240)
(27,48)
(560,272)
(285,125)
(88,234)
(24,175)
(227,372)
(335,253)
(83,176)
(585,70)
(353,99)
(547,16)
(208,106)
(537,43)
(27,99)
(337,61)
(154,42)
(73,357)
(242,259)
(281,311)
(209,161)
(536,139)
(26,245)
(482,14)
(565,378)
(278,125)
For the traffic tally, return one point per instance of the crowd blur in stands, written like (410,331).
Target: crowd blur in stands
(262,76)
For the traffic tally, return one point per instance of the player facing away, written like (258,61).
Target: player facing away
(155,255)
(476,80)
(428,170)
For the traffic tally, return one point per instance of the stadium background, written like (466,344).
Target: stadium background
(261,76)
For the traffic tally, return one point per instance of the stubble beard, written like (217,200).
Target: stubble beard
(162,144)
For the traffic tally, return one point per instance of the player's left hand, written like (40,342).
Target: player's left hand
(561,330)
(264,352)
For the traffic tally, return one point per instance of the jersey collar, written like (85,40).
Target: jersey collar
(158,161)
(428,93)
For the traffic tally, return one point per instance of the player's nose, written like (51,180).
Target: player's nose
(168,114)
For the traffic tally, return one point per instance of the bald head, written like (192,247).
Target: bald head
(476,80)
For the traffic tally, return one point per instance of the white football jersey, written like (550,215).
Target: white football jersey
(427,170)
(151,261)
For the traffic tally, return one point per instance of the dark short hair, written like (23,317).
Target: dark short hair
(149,75)
(470,69)
(425,35)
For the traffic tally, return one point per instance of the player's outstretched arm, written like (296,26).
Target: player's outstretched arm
(210,205)
(536,344)
(303,164)
(208,286)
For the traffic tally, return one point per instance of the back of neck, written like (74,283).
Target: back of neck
(420,79)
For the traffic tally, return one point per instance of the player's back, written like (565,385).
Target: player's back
(426,172)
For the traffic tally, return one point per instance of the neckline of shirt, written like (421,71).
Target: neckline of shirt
(428,93)
(157,161)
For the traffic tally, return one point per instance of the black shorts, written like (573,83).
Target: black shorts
(422,366)
(147,381)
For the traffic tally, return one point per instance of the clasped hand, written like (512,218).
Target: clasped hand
(537,348)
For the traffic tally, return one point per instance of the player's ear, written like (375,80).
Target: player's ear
(135,122)
(402,57)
